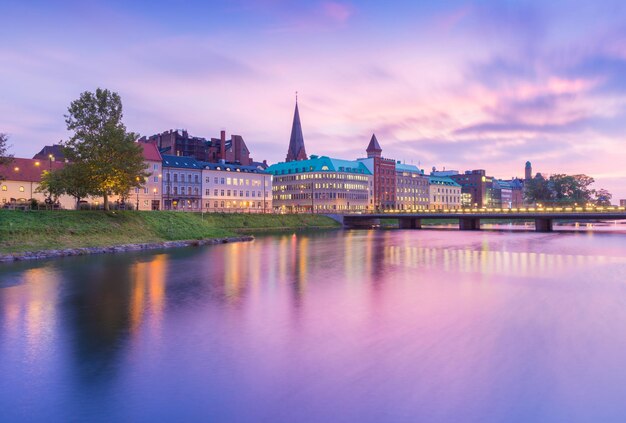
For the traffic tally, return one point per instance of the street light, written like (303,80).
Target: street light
(137,191)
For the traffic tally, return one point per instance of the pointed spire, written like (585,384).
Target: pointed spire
(373,149)
(296,149)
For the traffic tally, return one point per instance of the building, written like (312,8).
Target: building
(179,143)
(51,152)
(149,196)
(321,185)
(182,183)
(528,171)
(511,193)
(21,180)
(384,176)
(622,203)
(479,186)
(235,188)
(412,188)
(445,193)
(296,150)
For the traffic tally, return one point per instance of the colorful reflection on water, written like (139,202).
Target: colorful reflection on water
(345,326)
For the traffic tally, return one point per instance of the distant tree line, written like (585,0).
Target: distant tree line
(564,190)
(103,157)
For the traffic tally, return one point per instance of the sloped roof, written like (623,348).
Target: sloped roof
(319,164)
(184,162)
(296,150)
(373,145)
(442,180)
(150,152)
(231,167)
(27,170)
(408,168)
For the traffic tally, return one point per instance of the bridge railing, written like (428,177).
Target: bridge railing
(503,211)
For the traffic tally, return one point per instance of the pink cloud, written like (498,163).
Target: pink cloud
(338,12)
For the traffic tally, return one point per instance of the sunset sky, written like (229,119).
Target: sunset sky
(460,85)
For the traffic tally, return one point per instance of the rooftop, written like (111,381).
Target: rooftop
(27,170)
(319,164)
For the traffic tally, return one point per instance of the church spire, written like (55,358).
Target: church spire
(373,149)
(296,149)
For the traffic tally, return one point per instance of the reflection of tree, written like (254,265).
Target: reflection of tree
(97,313)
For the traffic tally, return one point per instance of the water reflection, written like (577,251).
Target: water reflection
(334,326)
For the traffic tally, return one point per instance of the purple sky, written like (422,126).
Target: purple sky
(460,85)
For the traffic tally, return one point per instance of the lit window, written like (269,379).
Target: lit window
(21,189)
(4,187)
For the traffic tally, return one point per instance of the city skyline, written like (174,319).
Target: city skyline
(456,85)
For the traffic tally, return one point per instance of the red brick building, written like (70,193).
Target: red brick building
(384,171)
(180,143)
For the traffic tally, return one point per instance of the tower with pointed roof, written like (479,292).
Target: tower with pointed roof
(296,149)
(373,149)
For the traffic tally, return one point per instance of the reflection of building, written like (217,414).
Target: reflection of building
(22,178)
(412,188)
(320,184)
(235,188)
(148,196)
(384,176)
(444,193)
(182,183)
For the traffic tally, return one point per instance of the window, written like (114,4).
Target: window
(21,189)
(175,177)
(136,190)
(215,193)
(175,189)
(156,179)
(215,204)
(222,181)
(228,181)
(215,182)
(4,187)
(155,166)
(188,190)
(222,194)
(241,193)
(228,193)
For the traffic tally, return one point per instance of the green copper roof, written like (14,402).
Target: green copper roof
(408,168)
(442,180)
(318,164)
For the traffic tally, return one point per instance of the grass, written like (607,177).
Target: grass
(44,230)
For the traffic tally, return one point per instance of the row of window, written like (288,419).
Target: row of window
(235,181)
(228,192)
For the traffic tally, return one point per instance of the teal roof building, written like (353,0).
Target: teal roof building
(318,164)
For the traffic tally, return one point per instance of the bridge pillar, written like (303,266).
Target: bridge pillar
(543,225)
(360,223)
(409,223)
(469,224)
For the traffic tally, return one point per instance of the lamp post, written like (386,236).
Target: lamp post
(137,191)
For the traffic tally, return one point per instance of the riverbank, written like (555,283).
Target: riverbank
(32,233)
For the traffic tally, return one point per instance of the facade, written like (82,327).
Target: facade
(234,188)
(384,176)
(622,203)
(21,180)
(479,186)
(149,196)
(412,188)
(511,192)
(182,183)
(445,193)
(321,185)
(179,143)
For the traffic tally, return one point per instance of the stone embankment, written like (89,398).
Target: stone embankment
(45,254)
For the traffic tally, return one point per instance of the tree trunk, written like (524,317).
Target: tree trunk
(77,203)
(106,201)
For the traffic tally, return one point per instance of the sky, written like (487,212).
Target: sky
(447,84)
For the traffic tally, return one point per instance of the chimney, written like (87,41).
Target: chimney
(223,145)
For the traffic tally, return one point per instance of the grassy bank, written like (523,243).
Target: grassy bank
(45,230)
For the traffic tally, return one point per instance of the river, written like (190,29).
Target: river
(337,326)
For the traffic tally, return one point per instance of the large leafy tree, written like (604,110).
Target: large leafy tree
(5,157)
(102,145)
(74,180)
(603,197)
(559,190)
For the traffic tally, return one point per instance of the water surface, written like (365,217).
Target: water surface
(343,326)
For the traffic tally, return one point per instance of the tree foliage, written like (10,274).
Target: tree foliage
(5,157)
(561,190)
(603,197)
(101,145)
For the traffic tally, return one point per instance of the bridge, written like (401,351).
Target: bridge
(469,219)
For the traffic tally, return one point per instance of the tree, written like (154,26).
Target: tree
(51,185)
(603,197)
(101,144)
(5,157)
(537,190)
